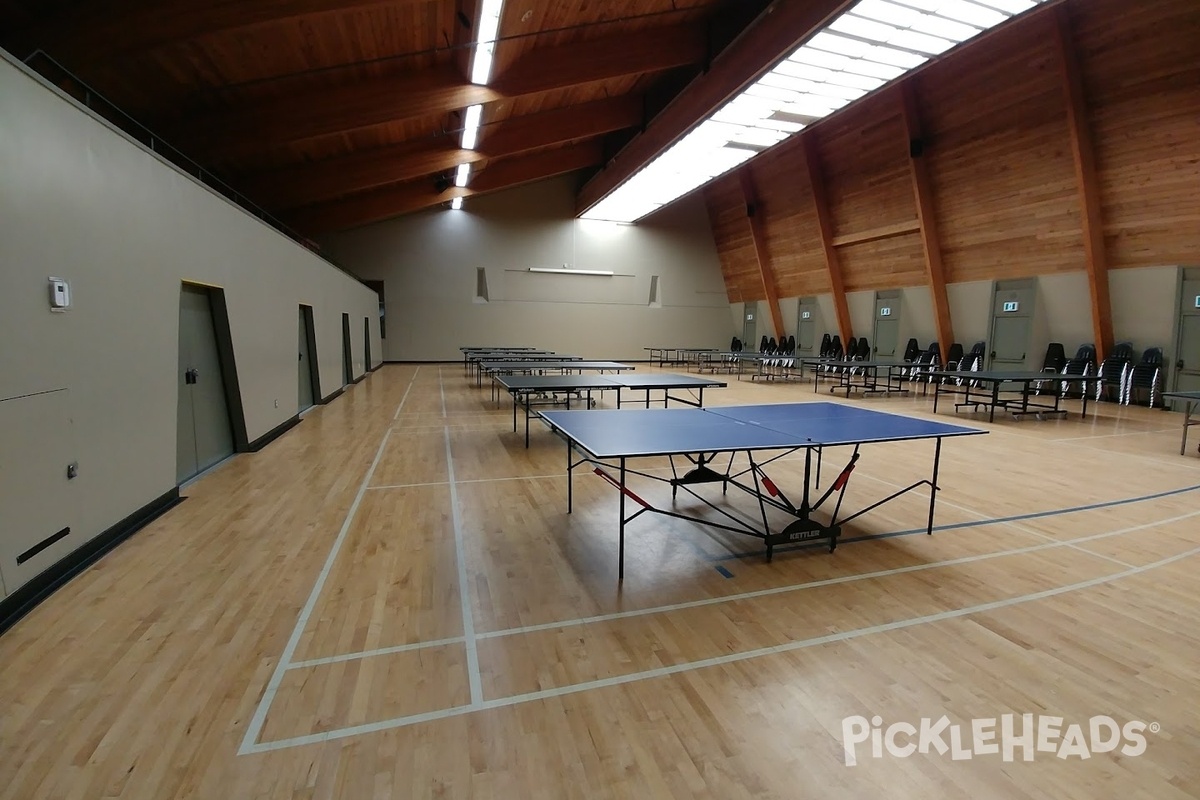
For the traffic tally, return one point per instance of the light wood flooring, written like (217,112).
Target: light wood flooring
(390,601)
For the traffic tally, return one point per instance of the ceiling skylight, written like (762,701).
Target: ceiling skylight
(871,44)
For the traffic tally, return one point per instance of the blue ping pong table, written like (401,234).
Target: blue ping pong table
(608,439)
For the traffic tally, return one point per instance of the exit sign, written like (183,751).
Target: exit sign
(1011,305)
(808,314)
(885,312)
(1198,301)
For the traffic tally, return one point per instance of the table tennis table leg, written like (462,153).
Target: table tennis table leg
(514,397)
(933,486)
(1187,420)
(995,399)
(621,555)
(570,476)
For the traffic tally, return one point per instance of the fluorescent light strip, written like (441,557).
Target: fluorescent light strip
(485,41)
(461,174)
(867,46)
(470,136)
(456,203)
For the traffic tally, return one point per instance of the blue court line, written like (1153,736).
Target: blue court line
(956,525)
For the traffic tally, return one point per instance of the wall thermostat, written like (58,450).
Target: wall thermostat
(60,295)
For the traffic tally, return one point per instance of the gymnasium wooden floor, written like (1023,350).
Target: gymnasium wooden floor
(391,602)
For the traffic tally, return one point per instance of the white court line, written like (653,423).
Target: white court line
(442,392)
(411,381)
(709,601)
(1014,523)
(470,480)
(264,704)
(730,658)
(460,556)
(383,651)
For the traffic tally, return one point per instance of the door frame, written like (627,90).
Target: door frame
(310,333)
(366,345)
(1183,275)
(888,295)
(347,352)
(225,354)
(1014,284)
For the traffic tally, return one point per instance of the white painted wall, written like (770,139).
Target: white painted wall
(1145,307)
(1065,303)
(862,313)
(81,201)
(970,311)
(428,263)
(919,323)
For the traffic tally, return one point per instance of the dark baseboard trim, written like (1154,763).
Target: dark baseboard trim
(359,379)
(26,598)
(377,366)
(334,396)
(273,434)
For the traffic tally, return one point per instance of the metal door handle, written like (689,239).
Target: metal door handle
(1179,364)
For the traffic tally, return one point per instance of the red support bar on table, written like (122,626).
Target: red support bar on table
(624,490)
(770,486)
(845,476)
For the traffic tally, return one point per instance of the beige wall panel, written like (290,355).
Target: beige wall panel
(82,202)
(428,263)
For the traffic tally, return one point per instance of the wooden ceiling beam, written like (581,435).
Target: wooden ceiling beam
(1084,155)
(91,32)
(361,104)
(931,242)
(304,185)
(779,30)
(754,217)
(307,115)
(816,177)
(393,201)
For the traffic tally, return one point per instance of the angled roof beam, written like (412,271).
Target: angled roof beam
(361,104)
(303,185)
(931,242)
(393,201)
(90,32)
(1084,155)
(816,177)
(754,217)
(779,30)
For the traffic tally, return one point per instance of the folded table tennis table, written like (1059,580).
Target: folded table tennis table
(609,439)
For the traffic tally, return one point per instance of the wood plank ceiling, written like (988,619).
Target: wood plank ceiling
(335,113)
